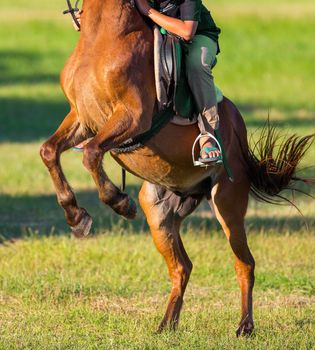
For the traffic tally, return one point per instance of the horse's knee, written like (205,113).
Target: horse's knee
(92,157)
(48,153)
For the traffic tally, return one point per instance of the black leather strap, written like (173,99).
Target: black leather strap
(72,11)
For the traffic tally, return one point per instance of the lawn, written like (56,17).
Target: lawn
(109,291)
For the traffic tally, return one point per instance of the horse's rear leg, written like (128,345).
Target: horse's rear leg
(164,212)
(230,205)
(67,135)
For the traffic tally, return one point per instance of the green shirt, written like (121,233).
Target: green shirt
(189,10)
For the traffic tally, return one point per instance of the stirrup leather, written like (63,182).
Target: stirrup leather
(197,162)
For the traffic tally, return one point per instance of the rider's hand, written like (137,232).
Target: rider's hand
(78,17)
(143,6)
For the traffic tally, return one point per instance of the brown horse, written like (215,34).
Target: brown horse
(109,83)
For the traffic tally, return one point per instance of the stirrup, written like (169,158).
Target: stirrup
(199,163)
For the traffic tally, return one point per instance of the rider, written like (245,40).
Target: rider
(190,20)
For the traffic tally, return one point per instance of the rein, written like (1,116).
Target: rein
(72,11)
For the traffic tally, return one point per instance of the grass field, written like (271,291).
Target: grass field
(109,291)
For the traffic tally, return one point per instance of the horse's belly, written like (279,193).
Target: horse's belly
(159,171)
(167,160)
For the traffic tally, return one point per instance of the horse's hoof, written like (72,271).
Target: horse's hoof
(167,326)
(161,328)
(245,329)
(82,229)
(126,207)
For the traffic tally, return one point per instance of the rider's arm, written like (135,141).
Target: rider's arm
(185,28)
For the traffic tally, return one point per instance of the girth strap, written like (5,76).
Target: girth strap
(159,121)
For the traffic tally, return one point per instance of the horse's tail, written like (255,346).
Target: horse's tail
(272,163)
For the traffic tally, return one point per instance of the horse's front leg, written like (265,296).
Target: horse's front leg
(67,135)
(120,127)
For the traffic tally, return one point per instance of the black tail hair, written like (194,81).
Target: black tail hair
(272,163)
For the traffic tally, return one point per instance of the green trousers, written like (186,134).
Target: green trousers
(200,58)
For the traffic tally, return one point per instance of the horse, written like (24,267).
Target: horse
(109,83)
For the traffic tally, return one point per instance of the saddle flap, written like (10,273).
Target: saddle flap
(161,89)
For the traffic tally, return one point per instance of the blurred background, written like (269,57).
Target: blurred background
(267,68)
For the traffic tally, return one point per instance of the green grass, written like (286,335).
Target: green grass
(110,291)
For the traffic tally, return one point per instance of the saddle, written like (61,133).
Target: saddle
(172,88)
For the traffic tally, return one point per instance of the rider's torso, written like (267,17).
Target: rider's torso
(189,10)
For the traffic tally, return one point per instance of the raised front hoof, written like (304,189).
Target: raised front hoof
(126,207)
(82,229)
(245,329)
